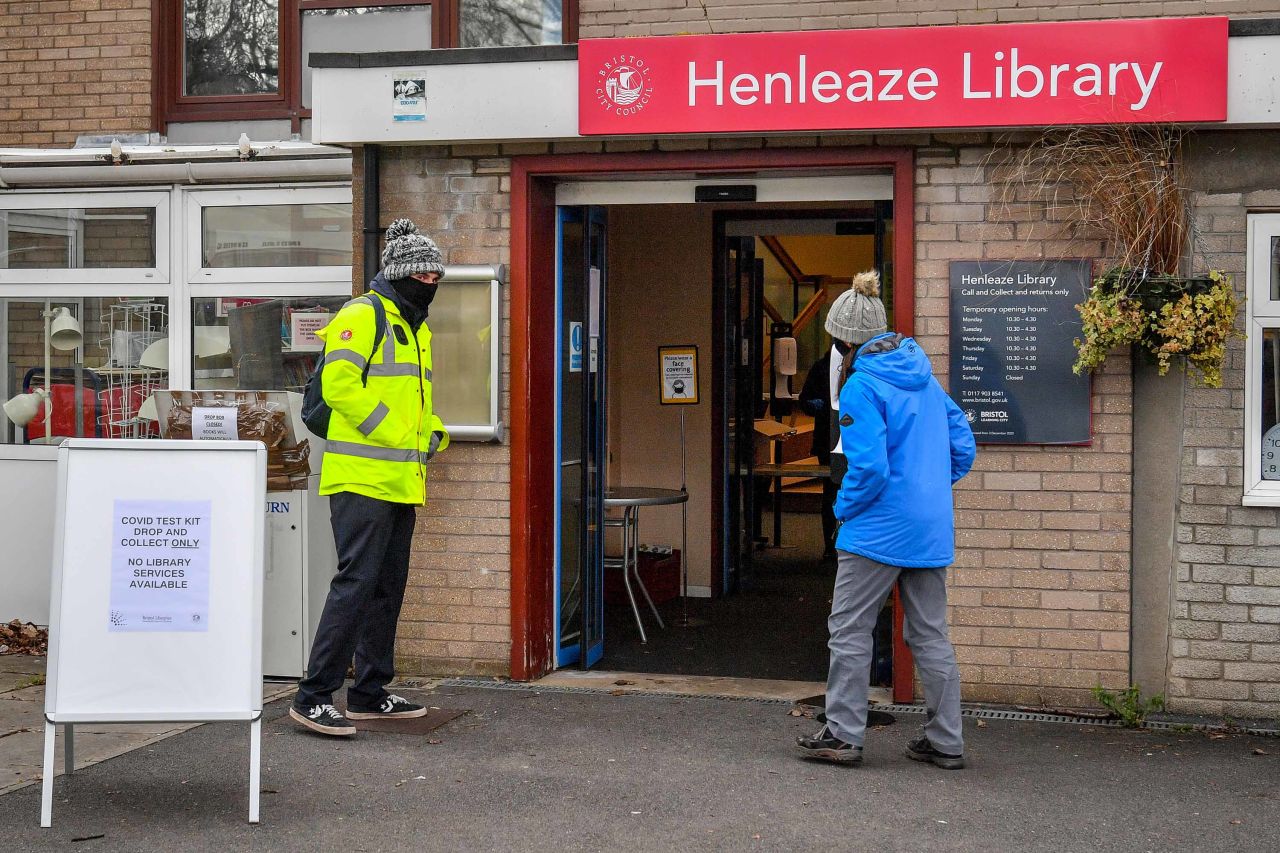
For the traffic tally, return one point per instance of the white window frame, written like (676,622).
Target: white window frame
(1263,313)
(198,276)
(152,280)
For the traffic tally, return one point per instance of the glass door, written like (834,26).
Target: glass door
(580,435)
(743,392)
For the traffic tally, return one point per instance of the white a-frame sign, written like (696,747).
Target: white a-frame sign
(156,605)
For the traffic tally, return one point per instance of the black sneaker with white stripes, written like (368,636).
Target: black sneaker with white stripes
(391,707)
(325,719)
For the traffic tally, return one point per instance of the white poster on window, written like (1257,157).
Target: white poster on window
(409,98)
(303,326)
(160,566)
(217,423)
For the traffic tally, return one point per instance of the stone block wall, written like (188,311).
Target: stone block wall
(72,67)
(1225,646)
(1040,589)
(457,610)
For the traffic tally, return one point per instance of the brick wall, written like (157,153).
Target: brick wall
(610,18)
(1225,646)
(1040,590)
(71,67)
(457,611)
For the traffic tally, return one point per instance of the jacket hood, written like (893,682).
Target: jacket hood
(895,359)
(381,286)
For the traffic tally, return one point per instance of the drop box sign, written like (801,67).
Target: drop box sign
(1013,327)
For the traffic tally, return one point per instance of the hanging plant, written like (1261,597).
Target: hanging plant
(1165,316)
(1125,185)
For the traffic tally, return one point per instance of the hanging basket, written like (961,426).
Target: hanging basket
(1167,317)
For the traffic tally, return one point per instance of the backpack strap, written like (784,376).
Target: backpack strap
(379,331)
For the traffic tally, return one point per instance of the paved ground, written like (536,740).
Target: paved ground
(560,772)
(22,725)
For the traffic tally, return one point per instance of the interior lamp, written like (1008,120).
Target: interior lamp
(61,332)
(23,408)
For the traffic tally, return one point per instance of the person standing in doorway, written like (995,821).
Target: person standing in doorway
(905,443)
(381,434)
(855,317)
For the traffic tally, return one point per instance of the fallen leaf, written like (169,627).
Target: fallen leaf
(1260,752)
(434,741)
(982,724)
(796,712)
(1236,822)
(1216,736)
(622,682)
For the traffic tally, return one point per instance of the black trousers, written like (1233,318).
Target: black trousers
(360,614)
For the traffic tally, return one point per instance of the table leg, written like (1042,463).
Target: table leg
(635,539)
(626,568)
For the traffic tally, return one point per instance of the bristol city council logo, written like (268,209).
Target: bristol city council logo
(624,86)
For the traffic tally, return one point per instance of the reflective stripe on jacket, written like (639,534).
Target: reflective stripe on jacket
(381,434)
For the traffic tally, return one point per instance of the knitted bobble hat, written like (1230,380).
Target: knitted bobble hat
(857,315)
(409,252)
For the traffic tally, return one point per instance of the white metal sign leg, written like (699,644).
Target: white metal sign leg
(46,785)
(255,768)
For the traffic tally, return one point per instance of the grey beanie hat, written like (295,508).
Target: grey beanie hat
(857,315)
(409,252)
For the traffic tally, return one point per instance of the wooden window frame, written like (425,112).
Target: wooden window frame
(170,105)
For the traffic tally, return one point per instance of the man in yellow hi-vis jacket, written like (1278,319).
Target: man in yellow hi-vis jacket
(381,435)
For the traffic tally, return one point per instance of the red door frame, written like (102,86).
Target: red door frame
(533,206)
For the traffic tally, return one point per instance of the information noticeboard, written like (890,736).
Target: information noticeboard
(1013,324)
(156,599)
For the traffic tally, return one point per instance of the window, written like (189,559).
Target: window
(279,235)
(265,236)
(507,23)
(50,237)
(104,358)
(233,60)
(258,343)
(230,47)
(1262,363)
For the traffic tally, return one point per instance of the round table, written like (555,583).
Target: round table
(629,499)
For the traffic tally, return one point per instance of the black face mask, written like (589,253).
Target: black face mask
(416,295)
(842,347)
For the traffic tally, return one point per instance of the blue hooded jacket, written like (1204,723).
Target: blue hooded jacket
(906,442)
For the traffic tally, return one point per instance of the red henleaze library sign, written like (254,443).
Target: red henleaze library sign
(1004,75)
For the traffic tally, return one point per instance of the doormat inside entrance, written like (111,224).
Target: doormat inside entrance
(435,718)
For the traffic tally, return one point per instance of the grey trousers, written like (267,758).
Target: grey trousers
(862,585)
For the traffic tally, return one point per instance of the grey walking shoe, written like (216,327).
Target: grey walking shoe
(921,749)
(824,746)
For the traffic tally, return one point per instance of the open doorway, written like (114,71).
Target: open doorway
(731,280)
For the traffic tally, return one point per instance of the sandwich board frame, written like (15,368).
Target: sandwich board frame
(104,667)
